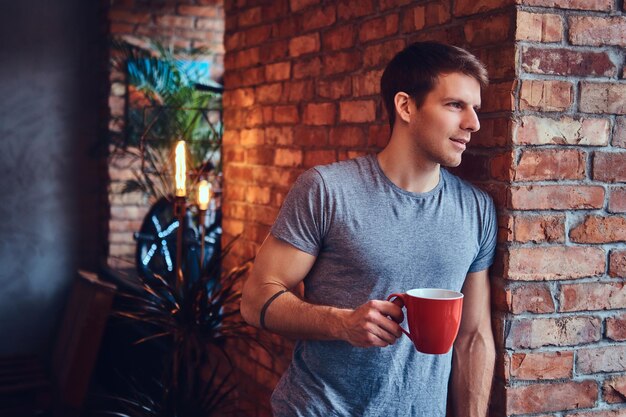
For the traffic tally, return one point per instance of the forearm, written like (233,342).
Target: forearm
(290,316)
(472,374)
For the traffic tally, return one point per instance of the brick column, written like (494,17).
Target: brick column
(564,266)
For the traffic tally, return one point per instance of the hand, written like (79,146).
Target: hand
(374,323)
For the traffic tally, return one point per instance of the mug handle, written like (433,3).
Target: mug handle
(401,297)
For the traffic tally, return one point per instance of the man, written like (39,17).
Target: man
(356,231)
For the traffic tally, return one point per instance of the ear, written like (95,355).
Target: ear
(401,102)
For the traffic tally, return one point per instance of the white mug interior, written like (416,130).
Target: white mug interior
(435,293)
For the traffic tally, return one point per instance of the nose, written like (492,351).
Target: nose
(470,121)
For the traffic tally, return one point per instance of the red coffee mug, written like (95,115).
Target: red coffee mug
(434,317)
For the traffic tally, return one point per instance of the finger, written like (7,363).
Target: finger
(390,309)
(386,329)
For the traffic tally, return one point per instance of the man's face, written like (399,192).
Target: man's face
(442,126)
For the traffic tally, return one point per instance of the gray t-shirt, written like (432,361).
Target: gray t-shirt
(371,239)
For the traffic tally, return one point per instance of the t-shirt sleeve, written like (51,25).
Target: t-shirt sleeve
(488,238)
(301,221)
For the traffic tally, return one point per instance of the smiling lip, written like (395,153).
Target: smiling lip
(460,143)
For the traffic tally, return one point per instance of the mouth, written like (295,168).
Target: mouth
(460,142)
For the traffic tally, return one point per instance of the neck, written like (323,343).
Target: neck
(407,169)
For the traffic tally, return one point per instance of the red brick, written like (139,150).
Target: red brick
(609,167)
(528,24)
(288,157)
(555,61)
(279,135)
(335,89)
(366,84)
(493,133)
(274,51)
(233,154)
(604,359)
(234,192)
(241,97)
(259,156)
(347,9)
(500,60)
(560,331)
(488,30)
(617,264)
(619,137)
(319,17)
(592,296)
(269,93)
(598,229)
(310,137)
(553,164)
(390,4)
(533,130)
(304,68)
(256,35)
(536,398)
(614,390)
(250,17)
(603,98)
(286,114)
(500,166)
(262,214)
(498,97)
(571,4)
(348,136)
(617,200)
(321,157)
(319,114)
(463,8)
(340,37)
(258,195)
(597,31)
(378,136)
(304,44)
(539,229)
(252,76)
(204,11)
(532,298)
(246,58)
(431,14)
(278,71)
(378,28)
(129,17)
(357,111)
(546,95)
(174,21)
(338,62)
(252,137)
(381,54)
(541,365)
(616,327)
(299,91)
(556,197)
(554,263)
(296,5)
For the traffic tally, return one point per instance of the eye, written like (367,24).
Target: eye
(456,105)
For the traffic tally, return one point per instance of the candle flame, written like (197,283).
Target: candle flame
(204,194)
(181,169)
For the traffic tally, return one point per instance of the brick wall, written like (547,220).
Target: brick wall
(302,86)
(565,263)
(180,23)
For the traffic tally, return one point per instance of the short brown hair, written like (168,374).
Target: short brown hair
(415,70)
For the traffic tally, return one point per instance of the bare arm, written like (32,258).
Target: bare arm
(474,351)
(279,266)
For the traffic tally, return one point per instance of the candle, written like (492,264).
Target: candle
(204,194)
(181,169)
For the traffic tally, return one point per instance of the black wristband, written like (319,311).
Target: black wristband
(266,305)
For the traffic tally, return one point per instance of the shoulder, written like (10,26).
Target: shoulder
(467,191)
(342,173)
